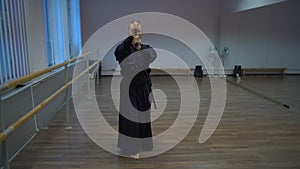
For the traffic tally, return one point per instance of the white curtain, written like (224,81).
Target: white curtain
(62,22)
(74,27)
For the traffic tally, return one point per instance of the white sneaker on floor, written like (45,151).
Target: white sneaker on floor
(136,156)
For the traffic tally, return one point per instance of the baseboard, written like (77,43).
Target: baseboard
(179,71)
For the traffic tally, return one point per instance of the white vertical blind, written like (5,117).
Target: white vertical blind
(22,51)
(2,52)
(11,26)
(13,51)
(9,45)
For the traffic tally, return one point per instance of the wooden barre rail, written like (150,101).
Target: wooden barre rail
(31,113)
(263,70)
(26,78)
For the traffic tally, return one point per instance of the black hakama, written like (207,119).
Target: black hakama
(135,133)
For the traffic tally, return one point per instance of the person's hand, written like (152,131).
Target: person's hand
(138,46)
(127,42)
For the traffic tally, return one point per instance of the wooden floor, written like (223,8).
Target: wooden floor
(284,89)
(254,133)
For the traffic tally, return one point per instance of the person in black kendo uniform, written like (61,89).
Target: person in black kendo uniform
(135,133)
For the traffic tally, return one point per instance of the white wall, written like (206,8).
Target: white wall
(35,35)
(263,37)
(205,14)
(169,56)
(267,36)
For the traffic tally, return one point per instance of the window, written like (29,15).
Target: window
(62,30)
(13,47)
(63,33)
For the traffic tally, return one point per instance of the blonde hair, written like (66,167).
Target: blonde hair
(135,28)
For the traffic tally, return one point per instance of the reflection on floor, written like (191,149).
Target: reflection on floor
(283,89)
